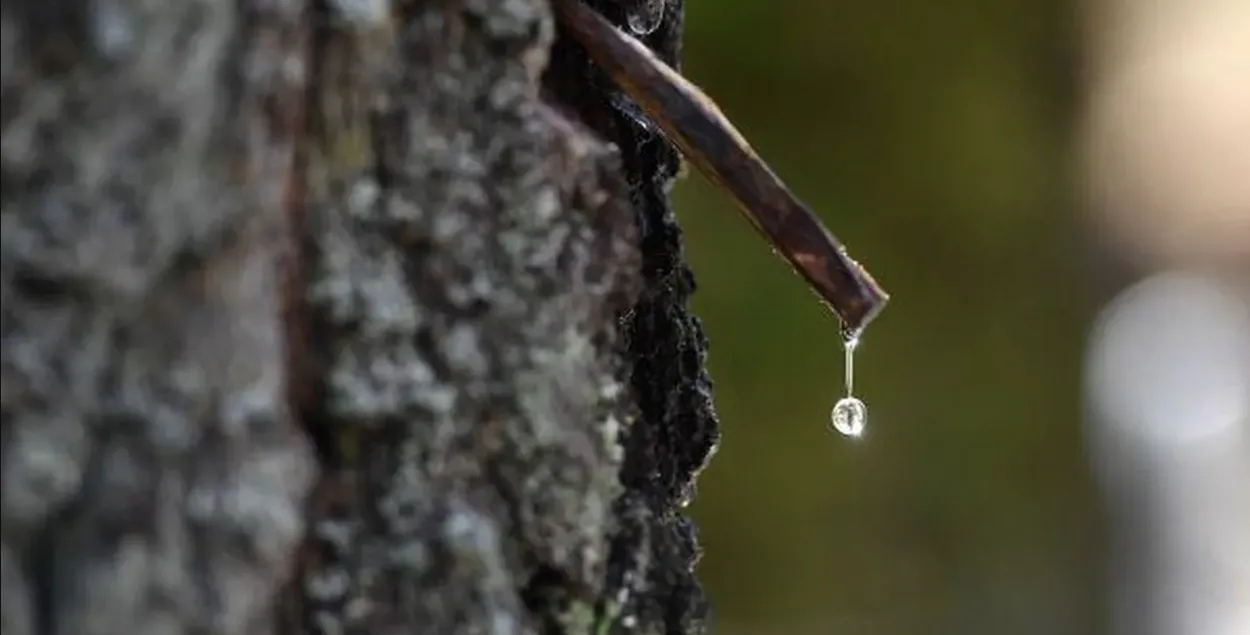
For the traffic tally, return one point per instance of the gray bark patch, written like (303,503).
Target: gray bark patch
(338,317)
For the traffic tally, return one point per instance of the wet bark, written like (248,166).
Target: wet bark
(339,317)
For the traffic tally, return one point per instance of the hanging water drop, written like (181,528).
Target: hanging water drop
(849,415)
(645,16)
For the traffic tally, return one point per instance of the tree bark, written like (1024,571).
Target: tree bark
(347,316)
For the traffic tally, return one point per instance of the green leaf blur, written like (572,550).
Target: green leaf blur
(931,137)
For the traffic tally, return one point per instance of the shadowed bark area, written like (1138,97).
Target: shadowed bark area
(326,317)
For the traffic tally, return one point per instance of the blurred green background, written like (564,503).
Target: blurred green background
(932,138)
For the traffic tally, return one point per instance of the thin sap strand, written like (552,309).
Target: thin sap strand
(849,415)
(849,346)
(645,16)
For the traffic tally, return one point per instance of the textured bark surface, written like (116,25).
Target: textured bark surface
(326,317)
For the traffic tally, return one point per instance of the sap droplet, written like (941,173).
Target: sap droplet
(849,416)
(645,16)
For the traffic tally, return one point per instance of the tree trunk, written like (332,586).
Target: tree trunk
(339,317)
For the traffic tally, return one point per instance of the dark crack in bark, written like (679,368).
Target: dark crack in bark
(654,548)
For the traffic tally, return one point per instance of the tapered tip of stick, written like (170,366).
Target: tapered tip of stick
(856,310)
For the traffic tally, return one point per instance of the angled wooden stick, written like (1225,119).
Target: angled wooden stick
(691,120)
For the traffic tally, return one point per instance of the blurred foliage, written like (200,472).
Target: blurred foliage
(931,137)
